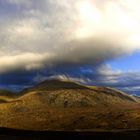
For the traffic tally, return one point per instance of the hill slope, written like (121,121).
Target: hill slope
(6,96)
(61,105)
(69,94)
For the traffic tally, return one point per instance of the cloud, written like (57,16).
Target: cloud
(73,32)
(22,62)
(67,39)
(39,78)
(18,2)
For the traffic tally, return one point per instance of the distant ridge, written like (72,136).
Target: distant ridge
(4,92)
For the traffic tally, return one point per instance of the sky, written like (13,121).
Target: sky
(96,42)
(127,63)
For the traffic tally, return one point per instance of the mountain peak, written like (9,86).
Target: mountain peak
(52,84)
(57,83)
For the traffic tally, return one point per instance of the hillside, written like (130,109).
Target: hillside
(65,105)
(54,85)
(6,96)
(69,94)
(7,93)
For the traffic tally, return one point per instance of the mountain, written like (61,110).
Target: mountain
(58,93)
(54,84)
(65,105)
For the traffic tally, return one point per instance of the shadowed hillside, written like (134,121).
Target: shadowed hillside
(6,96)
(7,93)
(54,85)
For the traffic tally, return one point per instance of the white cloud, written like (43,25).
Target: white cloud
(26,61)
(75,32)
(39,78)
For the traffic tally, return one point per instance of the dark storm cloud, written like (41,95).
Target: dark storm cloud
(86,74)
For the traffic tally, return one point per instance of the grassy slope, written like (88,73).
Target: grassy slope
(62,107)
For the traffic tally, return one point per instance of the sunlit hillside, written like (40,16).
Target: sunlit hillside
(64,105)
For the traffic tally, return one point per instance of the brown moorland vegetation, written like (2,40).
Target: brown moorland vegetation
(67,106)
